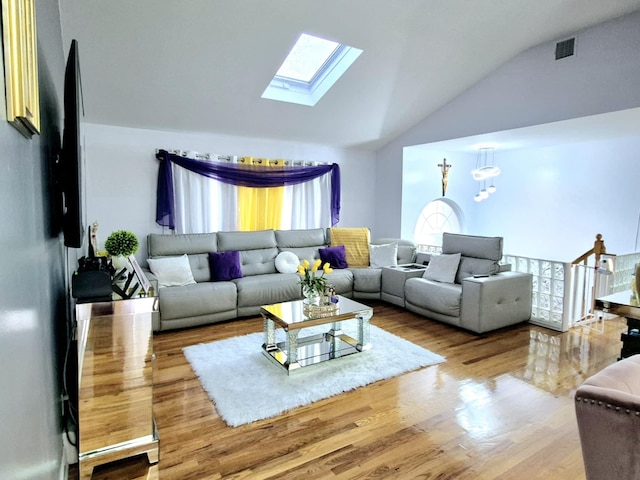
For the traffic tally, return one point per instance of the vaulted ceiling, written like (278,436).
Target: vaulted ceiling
(201,65)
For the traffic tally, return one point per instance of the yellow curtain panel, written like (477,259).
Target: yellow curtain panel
(260,208)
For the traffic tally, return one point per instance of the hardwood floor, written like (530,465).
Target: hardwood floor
(500,407)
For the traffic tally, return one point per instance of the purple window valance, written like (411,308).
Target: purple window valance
(239,175)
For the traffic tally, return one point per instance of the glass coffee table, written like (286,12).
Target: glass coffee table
(298,351)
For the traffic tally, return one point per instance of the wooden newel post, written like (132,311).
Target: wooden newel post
(597,250)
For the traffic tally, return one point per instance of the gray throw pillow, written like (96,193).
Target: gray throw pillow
(442,268)
(383,255)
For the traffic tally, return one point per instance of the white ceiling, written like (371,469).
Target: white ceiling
(202,65)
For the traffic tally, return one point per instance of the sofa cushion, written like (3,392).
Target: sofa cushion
(311,253)
(356,243)
(258,262)
(197,299)
(287,262)
(366,280)
(342,281)
(472,246)
(200,266)
(334,256)
(303,243)
(225,265)
(159,245)
(171,271)
(268,289)
(258,250)
(383,255)
(442,268)
(443,298)
(470,266)
(300,238)
(246,240)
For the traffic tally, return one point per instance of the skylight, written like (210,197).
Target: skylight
(306,58)
(311,68)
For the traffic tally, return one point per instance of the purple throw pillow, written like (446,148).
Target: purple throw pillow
(334,256)
(225,265)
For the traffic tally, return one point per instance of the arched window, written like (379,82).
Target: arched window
(438,216)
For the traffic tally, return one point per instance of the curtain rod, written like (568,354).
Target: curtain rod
(186,153)
(229,158)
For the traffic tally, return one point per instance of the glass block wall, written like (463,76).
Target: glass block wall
(549,305)
(624,266)
(563,294)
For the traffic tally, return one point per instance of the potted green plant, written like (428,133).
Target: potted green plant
(119,245)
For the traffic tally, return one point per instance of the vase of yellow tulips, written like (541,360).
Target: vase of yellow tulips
(313,280)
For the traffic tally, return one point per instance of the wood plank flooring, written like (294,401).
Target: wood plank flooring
(500,407)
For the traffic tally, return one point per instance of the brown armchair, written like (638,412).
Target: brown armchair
(608,414)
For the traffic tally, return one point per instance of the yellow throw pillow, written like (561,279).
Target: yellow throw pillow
(356,244)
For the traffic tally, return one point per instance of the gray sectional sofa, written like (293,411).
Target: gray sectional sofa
(207,301)
(261,284)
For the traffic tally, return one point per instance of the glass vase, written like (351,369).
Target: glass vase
(311,295)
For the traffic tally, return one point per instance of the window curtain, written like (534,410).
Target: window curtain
(260,208)
(242,176)
(302,208)
(198,205)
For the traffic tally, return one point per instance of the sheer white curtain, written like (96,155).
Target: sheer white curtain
(308,205)
(204,205)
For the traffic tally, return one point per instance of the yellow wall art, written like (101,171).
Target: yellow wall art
(21,65)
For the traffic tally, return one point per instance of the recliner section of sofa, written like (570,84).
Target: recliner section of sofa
(483,298)
(197,304)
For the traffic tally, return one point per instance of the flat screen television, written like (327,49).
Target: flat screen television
(71,161)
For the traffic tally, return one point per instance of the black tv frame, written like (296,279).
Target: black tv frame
(71,158)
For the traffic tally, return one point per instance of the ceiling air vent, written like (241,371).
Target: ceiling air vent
(565,48)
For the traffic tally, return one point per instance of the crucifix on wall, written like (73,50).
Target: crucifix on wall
(444,166)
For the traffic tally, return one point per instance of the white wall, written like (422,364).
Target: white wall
(553,201)
(122,172)
(550,202)
(531,89)
(422,183)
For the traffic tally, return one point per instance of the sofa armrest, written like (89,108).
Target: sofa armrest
(495,301)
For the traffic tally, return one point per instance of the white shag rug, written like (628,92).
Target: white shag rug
(247,386)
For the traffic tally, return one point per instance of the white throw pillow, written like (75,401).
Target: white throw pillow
(442,268)
(171,271)
(287,262)
(383,255)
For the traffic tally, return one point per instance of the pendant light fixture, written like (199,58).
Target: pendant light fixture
(485,170)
